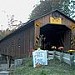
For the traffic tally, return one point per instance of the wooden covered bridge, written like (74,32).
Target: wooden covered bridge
(57,30)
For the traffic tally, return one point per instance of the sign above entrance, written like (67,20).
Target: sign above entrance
(55,20)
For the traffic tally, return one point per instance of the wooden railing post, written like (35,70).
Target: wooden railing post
(71,60)
(61,56)
(54,54)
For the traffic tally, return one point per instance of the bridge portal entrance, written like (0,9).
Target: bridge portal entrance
(56,35)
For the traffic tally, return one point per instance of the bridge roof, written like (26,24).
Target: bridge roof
(31,22)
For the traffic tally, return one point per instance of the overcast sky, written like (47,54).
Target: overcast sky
(21,10)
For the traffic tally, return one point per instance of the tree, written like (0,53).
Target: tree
(4,33)
(47,6)
(72,8)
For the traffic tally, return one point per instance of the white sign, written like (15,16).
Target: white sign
(40,57)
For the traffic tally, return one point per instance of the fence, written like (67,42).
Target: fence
(4,72)
(63,57)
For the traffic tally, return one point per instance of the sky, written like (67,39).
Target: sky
(21,10)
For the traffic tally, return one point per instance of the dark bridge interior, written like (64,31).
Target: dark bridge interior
(54,35)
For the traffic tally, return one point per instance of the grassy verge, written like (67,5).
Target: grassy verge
(54,68)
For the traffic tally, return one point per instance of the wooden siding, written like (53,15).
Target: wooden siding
(19,45)
(46,20)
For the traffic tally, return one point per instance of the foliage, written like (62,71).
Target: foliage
(54,68)
(47,6)
(4,33)
(28,61)
(72,7)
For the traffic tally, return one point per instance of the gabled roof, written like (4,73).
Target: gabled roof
(58,12)
(30,22)
(65,16)
(23,27)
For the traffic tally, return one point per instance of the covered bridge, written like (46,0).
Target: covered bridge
(57,29)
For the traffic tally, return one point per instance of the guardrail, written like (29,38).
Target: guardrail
(63,57)
(50,55)
(4,72)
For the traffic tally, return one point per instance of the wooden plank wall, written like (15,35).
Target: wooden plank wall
(20,44)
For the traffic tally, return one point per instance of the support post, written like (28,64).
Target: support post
(61,56)
(54,54)
(8,61)
(71,60)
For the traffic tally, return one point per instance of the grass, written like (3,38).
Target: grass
(54,68)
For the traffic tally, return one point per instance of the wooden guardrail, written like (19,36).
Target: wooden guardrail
(63,57)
